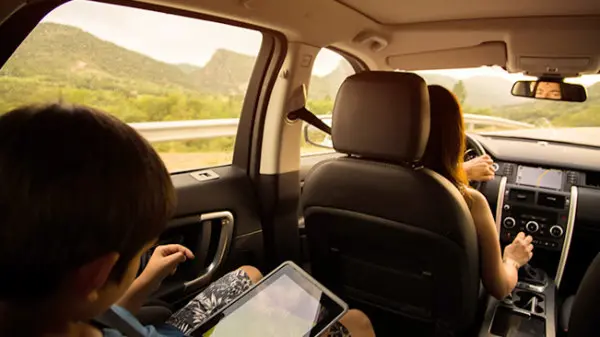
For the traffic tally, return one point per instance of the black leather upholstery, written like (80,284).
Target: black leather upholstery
(583,314)
(382,115)
(565,313)
(382,235)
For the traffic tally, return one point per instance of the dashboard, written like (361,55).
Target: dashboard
(547,190)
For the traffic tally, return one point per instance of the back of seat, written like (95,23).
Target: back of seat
(585,315)
(385,234)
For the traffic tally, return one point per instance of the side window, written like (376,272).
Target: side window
(330,69)
(179,81)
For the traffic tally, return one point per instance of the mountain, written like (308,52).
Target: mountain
(62,52)
(482,91)
(225,73)
(66,54)
(188,68)
(443,80)
(490,91)
(326,86)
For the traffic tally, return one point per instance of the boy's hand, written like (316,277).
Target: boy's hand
(164,262)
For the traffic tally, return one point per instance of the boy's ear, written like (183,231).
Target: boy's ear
(93,276)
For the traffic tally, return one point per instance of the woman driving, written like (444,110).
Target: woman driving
(444,155)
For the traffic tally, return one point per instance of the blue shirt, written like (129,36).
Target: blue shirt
(123,323)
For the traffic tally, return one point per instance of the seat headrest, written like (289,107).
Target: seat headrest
(382,115)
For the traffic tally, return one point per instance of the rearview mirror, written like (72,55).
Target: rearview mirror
(552,90)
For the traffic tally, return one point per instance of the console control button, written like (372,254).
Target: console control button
(556,231)
(509,222)
(532,227)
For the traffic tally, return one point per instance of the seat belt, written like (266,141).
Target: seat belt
(114,320)
(310,118)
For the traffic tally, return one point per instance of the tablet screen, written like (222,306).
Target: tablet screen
(285,304)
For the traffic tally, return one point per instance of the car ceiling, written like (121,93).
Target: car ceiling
(389,12)
(535,36)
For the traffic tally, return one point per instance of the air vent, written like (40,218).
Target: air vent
(592,179)
(508,169)
(572,178)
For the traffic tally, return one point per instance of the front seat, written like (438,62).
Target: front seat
(579,314)
(390,237)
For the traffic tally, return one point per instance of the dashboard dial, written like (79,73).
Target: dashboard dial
(509,222)
(556,231)
(532,227)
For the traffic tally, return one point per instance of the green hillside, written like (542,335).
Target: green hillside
(226,73)
(69,55)
(64,53)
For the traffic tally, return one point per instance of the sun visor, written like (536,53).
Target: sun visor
(489,53)
(564,66)
(558,52)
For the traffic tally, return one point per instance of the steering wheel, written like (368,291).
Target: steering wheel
(474,150)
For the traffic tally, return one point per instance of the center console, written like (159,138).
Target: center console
(540,202)
(527,312)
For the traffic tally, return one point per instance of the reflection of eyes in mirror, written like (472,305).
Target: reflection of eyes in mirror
(548,90)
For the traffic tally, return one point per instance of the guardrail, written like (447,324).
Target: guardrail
(156,132)
(472,120)
(212,128)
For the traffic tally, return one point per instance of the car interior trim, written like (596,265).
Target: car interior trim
(226,234)
(500,203)
(568,235)
(280,150)
(537,288)
(275,62)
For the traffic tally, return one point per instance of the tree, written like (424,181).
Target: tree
(460,91)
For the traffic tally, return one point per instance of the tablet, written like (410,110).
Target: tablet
(286,302)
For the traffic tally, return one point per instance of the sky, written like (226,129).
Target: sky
(161,37)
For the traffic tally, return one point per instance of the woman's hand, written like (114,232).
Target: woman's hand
(520,250)
(479,169)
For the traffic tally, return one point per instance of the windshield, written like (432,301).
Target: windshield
(489,107)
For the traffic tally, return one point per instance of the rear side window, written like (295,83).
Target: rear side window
(179,81)
(330,69)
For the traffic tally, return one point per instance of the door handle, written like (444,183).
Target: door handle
(226,221)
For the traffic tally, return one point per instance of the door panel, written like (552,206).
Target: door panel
(218,220)
(219,217)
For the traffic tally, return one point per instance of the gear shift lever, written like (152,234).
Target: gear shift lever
(534,276)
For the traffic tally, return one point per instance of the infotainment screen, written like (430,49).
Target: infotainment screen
(539,177)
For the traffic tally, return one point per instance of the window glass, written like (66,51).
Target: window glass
(179,81)
(488,106)
(330,69)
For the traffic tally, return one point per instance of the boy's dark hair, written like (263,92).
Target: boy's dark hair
(75,184)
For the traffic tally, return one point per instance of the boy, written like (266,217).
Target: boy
(82,196)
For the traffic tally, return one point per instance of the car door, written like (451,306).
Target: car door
(193,85)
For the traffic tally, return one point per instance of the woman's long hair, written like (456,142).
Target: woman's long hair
(446,146)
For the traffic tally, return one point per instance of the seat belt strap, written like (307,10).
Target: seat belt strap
(113,319)
(310,118)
